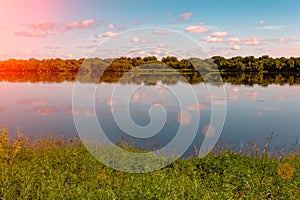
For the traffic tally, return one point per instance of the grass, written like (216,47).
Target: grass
(48,168)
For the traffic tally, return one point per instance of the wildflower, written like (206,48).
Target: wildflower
(285,170)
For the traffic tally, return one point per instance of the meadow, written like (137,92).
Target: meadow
(57,168)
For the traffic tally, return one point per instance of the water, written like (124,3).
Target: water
(253,112)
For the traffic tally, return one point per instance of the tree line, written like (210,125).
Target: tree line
(234,64)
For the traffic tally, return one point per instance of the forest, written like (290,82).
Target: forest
(234,64)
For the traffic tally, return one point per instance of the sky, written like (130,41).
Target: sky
(87,28)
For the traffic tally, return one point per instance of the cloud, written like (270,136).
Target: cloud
(34,102)
(183,16)
(67,109)
(53,47)
(184,118)
(213,39)
(219,34)
(282,40)
(196,29)
(140,41)
(186,15)
(250,95)
(209,130)
(110,34)
(259,114)
(46,110)
(196,107)
(160,32)
(253,41)
(114,27)
(261,22)
(168,14)
(31,34)
(85,24)
(159,53)
(236,47)
(43,26)
(233,40)
(136,22)
(162,45)
(218,102)
(276,28)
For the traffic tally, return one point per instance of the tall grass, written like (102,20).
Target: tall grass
(49,168)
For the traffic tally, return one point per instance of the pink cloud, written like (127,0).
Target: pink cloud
(34,102)
(282,41)
(140,41)
(276,28)
(43,26)
(168,14)
(184,118)
(157,53)
(111,101)
(88,112)
(136,22)
(218,102)
(196,29)
(213,39)
(209,130)
(259,114)
(160,32)
(186,15)
(110,34)
(219,34)
(236,47)
(260,22)
(233,40)
(67,109)
(162,45)
(46,110)
(253,41)
(114,27)
(31,34)
(236,89)
(250,95)
(196,107)
(85,24)
(160,103)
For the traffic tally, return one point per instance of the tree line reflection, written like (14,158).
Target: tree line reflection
(151,78)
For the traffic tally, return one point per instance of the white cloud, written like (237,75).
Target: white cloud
(196,29)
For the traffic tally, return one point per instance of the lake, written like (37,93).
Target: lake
(253,112)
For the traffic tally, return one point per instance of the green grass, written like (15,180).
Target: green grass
(60,169)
